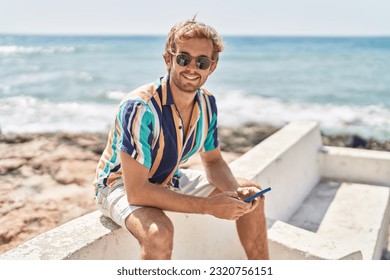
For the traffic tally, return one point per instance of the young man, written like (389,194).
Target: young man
(157,127)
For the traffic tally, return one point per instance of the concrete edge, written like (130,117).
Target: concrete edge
(346,164)
(290,242)
(63,241)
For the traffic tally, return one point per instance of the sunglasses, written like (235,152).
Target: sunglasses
(202,62)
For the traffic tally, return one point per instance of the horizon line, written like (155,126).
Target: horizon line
(164,35)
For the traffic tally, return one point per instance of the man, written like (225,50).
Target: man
(157,127)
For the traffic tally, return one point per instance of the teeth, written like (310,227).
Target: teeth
(190,77)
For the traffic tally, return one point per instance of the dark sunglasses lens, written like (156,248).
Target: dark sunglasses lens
(183,59)
(203,63)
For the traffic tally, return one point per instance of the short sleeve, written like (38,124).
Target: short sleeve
(135,121)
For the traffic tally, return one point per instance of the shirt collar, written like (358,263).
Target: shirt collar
(167,98)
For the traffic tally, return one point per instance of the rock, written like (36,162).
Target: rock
(46,180)
(80,172)
(355,141)
(242,139)
(8,165)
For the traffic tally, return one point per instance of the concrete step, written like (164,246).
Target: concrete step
(358,216)
(313,209)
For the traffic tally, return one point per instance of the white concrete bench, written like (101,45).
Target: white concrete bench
(74,239)
(358,217)
(93,237)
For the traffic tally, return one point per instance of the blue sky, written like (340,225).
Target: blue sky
(262,17)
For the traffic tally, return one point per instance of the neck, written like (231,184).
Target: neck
(184,104)
(183,100)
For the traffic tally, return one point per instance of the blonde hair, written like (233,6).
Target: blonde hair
(190,29)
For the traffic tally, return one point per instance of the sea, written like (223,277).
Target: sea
(74,83)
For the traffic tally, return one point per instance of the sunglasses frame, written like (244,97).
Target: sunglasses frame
(197,62)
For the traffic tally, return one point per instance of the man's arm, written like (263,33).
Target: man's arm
(220,175)
(218,172)
(140,191)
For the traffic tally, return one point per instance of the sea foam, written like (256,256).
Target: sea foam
(237,108)
(11,50)
(26,114)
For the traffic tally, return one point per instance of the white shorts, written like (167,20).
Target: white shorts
(112,201)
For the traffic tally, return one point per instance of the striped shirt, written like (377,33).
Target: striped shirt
(148,127)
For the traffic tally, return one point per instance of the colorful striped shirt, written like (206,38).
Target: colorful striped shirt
(148,127)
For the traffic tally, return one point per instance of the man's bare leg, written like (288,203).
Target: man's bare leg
(252,230)
(154,232)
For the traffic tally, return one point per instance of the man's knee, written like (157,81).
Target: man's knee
(151,227)
(160,234)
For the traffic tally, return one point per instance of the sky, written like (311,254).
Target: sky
(229,17)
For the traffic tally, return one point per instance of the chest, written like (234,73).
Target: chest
(185,118)
(180,134)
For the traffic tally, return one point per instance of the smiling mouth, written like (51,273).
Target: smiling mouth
(190,77)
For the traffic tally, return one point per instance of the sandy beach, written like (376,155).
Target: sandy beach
(46,178)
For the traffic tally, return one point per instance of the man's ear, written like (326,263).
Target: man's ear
(168,60)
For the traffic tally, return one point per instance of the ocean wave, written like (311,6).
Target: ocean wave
(29,114)
(12,50)
(237,108)
(46,79)
(6,89)
(26,114)
(84,76)
(115,95)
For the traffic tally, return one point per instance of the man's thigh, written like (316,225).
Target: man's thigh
(112,202)
(194,182)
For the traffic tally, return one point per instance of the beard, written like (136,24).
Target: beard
(187,82)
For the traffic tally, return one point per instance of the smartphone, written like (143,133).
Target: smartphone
(249,199)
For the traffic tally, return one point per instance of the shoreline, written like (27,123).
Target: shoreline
(46,178)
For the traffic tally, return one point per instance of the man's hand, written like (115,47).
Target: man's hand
(227,205)
(247,189)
